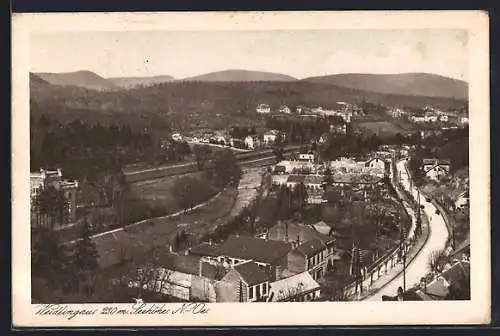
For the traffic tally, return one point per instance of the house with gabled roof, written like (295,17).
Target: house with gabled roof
(460,199)
(453,275)
(297,288)
(270,255)
(271,136)
(249,281)
(435,169)
(314,181)
(377,163)
(252,141)
(313,252)
(263,108)
(285,109)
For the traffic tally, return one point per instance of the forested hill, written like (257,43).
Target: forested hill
(235,75)
(204,104)
(85,79)
(409,84)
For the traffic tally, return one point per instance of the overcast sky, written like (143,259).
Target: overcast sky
(296,53)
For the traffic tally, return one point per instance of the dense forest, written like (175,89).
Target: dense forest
(190,105)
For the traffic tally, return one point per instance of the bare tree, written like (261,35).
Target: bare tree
(436,259)
(153,274)
(291,293)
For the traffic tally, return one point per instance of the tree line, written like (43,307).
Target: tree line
(60,270)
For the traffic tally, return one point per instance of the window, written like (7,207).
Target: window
(250,293)
(258,291)
(264,288)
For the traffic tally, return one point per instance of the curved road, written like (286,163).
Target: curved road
(437,240)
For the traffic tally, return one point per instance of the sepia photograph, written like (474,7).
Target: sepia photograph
(201,167)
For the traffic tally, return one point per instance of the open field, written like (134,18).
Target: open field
(137,241)
(380,128)
(159,192)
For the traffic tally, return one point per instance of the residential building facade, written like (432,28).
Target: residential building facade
(263,109)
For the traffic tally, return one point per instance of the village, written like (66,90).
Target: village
(318,225)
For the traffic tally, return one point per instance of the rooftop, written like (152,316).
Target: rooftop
(438,288)
(435,162)
(251,273)
(355,178)
(188,265)
(311,247)
(205,249)
(304,232)
(250,248)
(293,286)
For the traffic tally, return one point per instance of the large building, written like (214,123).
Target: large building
(269,255)
(53,178)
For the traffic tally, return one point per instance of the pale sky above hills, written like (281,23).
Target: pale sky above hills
(296,53)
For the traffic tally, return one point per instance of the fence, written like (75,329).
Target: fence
(385,263)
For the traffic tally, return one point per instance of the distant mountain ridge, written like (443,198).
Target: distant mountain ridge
(132,82)
(237,75)
(407,84)
(84,78)
(37,81)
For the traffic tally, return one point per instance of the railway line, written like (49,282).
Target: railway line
(246,160)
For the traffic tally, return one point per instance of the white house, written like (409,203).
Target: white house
(314,181)
(462,200)
(338,129)
(285,109)
(418,119)
(443,118)
(306,157)
(271,136)
(464,120)
(436,169)
(397,113)
(290,166)
(279,179)
(176,137)
(263,108)
(323,139)
(376,163)
(220,139)
(252,141)
(430,118)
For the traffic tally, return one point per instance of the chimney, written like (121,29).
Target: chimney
(210,241)
(200,267)
(170,248)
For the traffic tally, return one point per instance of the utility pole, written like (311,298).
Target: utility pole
(403,250)
(404,267)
